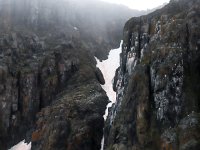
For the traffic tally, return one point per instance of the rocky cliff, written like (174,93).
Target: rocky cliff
(158,82)
(50,90)
(49,96)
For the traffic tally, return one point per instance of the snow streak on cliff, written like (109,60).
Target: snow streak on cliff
(108,68)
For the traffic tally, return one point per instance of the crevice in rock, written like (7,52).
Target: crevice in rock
(20,106)
(151,91)
(41,105)
(187,46)
(139,40)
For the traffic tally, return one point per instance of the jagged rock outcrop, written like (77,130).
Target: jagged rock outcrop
(49,95)
(157,83)
(74,121)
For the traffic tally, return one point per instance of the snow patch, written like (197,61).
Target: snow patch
(75,28)
(22,146)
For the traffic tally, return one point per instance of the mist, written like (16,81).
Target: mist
(91,20)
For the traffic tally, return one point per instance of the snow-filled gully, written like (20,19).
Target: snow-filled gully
(108,68)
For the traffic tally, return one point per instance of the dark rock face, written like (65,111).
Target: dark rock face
(157,83)
(74,121)
(49,96)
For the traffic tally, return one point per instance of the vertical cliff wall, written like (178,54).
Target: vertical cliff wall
(157,83)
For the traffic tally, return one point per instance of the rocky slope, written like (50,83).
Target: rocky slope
(158,82)
(50,89)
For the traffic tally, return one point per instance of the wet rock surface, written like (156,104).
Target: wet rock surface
(157,83)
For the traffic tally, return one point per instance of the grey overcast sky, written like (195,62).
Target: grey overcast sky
(139,4)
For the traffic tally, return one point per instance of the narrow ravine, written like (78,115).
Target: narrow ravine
(108,68)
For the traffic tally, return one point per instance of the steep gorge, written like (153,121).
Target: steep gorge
(50,91)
